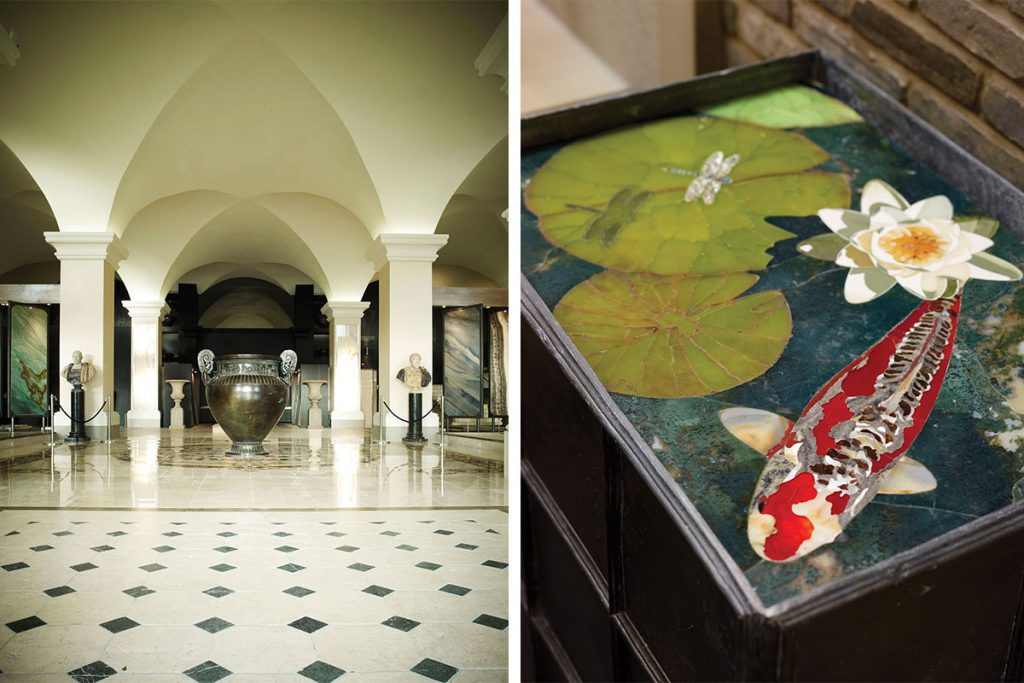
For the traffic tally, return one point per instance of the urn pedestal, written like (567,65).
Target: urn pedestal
(247,394)
(177,394)
(316,415)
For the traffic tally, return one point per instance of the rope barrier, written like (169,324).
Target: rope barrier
(402,418)
(83,421)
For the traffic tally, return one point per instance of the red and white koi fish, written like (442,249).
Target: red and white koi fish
(851,440)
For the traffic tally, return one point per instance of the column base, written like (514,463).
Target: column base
(143,419)
(347,419)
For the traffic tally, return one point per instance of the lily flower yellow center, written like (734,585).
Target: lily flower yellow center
(915,245)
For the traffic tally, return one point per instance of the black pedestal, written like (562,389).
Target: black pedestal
(77,434)
(414,437)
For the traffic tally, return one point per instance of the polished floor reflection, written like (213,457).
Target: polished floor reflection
(319,470)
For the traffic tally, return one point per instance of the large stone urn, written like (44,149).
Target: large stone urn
(247,394)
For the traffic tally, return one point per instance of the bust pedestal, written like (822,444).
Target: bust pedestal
(414,437)
(177,393)
(315,418)
(77,434)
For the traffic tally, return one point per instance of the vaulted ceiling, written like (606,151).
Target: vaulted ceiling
(250,139)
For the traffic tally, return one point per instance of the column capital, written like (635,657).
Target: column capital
(340,311)
(146,309)
(87,246)
(391,247)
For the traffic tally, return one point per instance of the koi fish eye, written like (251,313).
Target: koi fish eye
(760,505)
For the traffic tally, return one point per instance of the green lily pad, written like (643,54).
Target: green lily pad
(674,337)
(825,247)
(618,200)
(793,106)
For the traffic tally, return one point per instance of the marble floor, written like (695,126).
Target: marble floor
(188,469)
(155,558)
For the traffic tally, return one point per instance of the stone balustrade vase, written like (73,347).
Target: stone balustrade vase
(247,394)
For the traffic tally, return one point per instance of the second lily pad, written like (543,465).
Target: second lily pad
(619,199)
(674,337)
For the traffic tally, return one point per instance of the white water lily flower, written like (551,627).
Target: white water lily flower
(918,246)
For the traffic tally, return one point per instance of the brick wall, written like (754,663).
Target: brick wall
(958,64)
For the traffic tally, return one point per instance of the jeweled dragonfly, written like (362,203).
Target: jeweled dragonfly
(713,174)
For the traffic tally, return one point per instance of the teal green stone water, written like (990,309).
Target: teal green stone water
(973,441)
(28,360)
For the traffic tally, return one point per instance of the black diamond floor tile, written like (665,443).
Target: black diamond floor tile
(410,548)
(337,534)
(41,548)
(172,534)
(428,565)
(15,566)
(154,567)
(347,548)
(379,591)
(328,523)
(119,624)
(491,621)
(454,590)
(84,567)
(102,548)
(179,523)
(307,624)
(90,673)
(225,549)
(227,534)
(466,546)
(298,591)
(285,549)
(444,532)
(59,591)
(435,670)
(495,564)
(218,591)
(291,567)
(115,534)
(62,533)
(401,623)
(139,591)
(222,567)
(281,534)
(491,531)
(360,567)
(79,522)
(207,672)
(390,533)
(214,625)
(321,672)
(228,523)
(25,624)
(13,533)
(164,548)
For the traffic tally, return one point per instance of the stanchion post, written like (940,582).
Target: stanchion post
(380,412)
(108,419)
(442,419)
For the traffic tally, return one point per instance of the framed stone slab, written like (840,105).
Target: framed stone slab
(676,275)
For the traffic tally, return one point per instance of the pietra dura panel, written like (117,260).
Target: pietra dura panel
(636,563)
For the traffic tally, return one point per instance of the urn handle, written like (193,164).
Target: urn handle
(289,360)
(206,364)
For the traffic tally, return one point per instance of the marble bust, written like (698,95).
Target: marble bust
(78,372)
(414,376)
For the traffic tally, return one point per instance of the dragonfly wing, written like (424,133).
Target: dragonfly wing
(696,188)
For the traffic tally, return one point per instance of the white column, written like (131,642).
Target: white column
(345,317)
(87,264)
(147,319)
(404,265)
